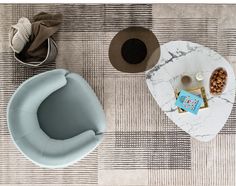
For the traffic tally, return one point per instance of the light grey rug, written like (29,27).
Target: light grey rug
(141,146)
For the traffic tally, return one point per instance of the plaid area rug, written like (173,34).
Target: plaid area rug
(141,146)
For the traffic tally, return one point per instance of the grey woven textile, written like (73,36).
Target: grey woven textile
(141,146)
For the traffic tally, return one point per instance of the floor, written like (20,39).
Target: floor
(141,146)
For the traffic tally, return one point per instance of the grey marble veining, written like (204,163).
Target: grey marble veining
(183,57)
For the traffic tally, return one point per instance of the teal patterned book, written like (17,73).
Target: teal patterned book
(189,102)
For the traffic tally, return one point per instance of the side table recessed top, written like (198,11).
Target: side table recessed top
(183,57)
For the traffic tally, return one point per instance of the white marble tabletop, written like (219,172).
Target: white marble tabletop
(183,57)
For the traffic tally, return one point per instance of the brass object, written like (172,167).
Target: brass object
(199,91)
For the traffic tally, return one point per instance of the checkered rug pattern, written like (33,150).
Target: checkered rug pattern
(141,145)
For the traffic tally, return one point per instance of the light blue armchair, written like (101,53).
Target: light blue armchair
(55,119)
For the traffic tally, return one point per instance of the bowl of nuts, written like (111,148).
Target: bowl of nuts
(218,81)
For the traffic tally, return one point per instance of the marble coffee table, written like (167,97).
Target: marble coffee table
(183,57)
